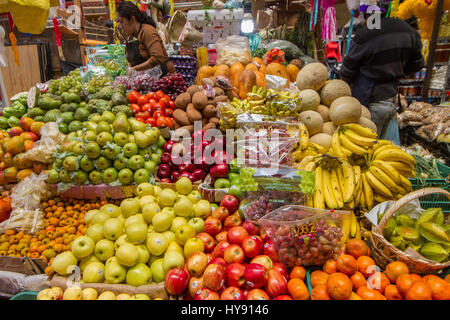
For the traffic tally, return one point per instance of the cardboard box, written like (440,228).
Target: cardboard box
(24,265)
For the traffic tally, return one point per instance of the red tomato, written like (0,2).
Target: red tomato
(159,94)
(151,121)
(145,114)
(158,106)
(133,96)
(135,108)
(164,101)
(150,95)
(147,107)
(169,122)
(140,114)
(158,114)
(168,112)
(172,105)
(141,120)
(161,121)
(152,101)
(142,100)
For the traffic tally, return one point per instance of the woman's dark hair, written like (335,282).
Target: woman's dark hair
(126,9)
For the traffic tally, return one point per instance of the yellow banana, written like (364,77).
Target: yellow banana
(362,198)
(377,185)
(407,173)
(379,198)
(401,190)
(406,184)
(358,139)
(309,201)
(305,161)
(368,193)
(396,155)
(358,231)
(341,181)
(310,166)
(349,179)
(330,199)
(350,146)
(356,174)
(353,225)
(383,177)
(304,137)
(383,148)
(317,147)
(389,170)
(362,131)
(380,143)
(357,194)
(336,188)
(345,229)
(336,146)
(398,165)
(398,196)
(319,190)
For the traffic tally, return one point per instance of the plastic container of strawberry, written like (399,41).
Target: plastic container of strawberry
(304,236)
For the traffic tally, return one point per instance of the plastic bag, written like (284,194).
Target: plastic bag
(234,4)
(291,51)
(256,126)
(111,57)
(274,55)
(276,82)
(305,236)
(189,35)
(233,49)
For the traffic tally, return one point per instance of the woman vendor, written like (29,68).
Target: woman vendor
(147,50)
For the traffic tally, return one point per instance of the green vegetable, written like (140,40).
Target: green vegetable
(308,181)
(13,122)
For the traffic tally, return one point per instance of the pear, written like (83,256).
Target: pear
(121,124)
(137,125)
(142,140)
(152,135)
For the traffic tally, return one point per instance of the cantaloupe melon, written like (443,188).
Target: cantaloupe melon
(329,128)
(365,112)
(345,110)
(310,99)
(324,112)
(312,120)
(332,90)
(312,76)
(322,139)
(367,123)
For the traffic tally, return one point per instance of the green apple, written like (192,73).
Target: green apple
(121,138)
(149,210)
(64,263)
(167,197)
(170,235)
(150,166)
(146,199)
(157,191)
(221,183)
(161,221)
(92,150)
(202,209)
(139,275)
(73,293)
(107,295)
(89,215)
(154,258)
(100,218)
(111,260)
(85,261)
(173,259)
(70,163)
(183,207)
(80,177)
(145,189)
(104,249)
(129,207)
(78,148)
(86,164)
(103,138)
(120,162)
(176,222)
(193,245)
(115,273)
(94,273)
(136,162)
(183,185)
(183,233)
(111,209)
(136,233)
(157,243)
(89,294)
(112,228)
(130,149)
(83,246)
(95,232)
(64,176)
(169,211)
(194,196)
(174,246)
(150,228)
(95,177)
(157,269)
(90,135)
(122,239)
(137,218)
(141,176)
(109,175)
(125,176)
(197,223)
(127,255)
(144,255)
(140,296)
(103,126)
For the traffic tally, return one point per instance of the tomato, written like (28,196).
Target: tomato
(159,94)
(150,95)
(135,108)
(142,100)
(152,101)
(168,112)
(158,106)
(164,101)
(151,121)
(172,105)
(158,114)
(169,122)
(140,114)
(145,114)
(147,107)
(141,120)
(161,121)
(133,96)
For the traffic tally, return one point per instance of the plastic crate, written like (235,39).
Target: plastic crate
(25,295)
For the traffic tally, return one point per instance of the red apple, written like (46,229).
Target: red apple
(210,257)
(251,228)
(208,241)
(218,260)
(212,226)
(220,213)
(255,275)
(245,293)
(281,268)
(232,293)
(252,246)
(283,297)
(236,235)
(270,250)
(196,263)
(220,171)
(231,221)
(264,261)
(234,254)
(263,234)
(198,174)
(214,276)
(230,202)
(220,249)
(257,294)
(221,236)
(195,284)
(176,281)
(276,284)
(206,294)
(234,275)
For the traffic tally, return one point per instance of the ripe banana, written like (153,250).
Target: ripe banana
(396,155)
(309,201)
(336,188)
(383,177)
(368,193)
(377,185)
(379,144)
(330,199)
(362,131)
(345,229)
(319,190)
(389,170)
(304,137)
(383,148)
(397,165)
(337,148)
(349,184)
(358,231)
(310,166)
(305,161)
(407,173)
(406,184)
(353,225)
(379,198)
(358,139)
(350,146)
(358,193)
(362,199)
(356,175)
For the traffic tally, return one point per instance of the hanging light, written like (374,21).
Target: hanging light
(247,24)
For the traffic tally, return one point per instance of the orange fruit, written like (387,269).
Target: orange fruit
(419,290)
(339,286)
(391,293)
(358,280)
(366,266)
(415,276)
(439,287)
(378,281)
(298,272)
(447,278)
(357,248)
(298,290)
(354,296)
(330,266)
(404,282)
(319,292)
(369,294)
(346,264)
(396,268)
(318,277)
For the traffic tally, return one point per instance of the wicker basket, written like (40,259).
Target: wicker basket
(384,252)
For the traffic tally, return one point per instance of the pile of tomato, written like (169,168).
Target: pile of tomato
(151,108)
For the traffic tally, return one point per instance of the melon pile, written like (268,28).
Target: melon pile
(326,104)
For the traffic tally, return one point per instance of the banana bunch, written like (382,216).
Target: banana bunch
(305,152)
(352,139)
(351,228)
(282,103)
(229,113)
(256,100)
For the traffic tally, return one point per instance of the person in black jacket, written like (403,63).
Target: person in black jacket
(376,60)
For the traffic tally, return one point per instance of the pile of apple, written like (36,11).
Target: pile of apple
(238,262)
(138,242)
(113,150)
(203,157)
(76,293)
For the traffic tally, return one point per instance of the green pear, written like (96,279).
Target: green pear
(121,124)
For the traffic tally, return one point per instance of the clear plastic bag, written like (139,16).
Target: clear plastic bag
(256,126)
(305,236)
(233,49)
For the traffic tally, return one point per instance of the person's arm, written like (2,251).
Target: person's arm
(352,62)
(416,61)
(152,42)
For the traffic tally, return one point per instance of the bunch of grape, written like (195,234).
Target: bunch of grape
(96,83)
(262,204)
(173,84)
(70,83)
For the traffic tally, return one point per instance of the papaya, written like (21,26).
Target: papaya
(204,72)
(277,69)
(258,62)
(251,66)
(222,69)
(260,79)
(292,70)
(235,72)
(247,80)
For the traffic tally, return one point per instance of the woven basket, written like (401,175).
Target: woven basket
(384,252)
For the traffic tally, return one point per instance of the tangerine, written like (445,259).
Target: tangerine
(440,289)
(396,268)
(378,281)
(391,293)
(319,292)
(366,266)
(358,280)
(357,248)
(298,290)
(419,290)
(369,294)
(318,277)
(298,272)
(346,264)
(404,282)
(330,266)
(339,286)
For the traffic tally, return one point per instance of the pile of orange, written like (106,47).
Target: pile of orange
(355,276)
